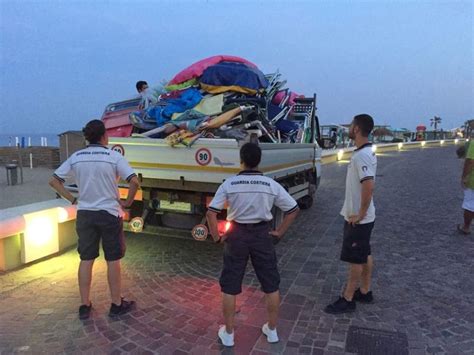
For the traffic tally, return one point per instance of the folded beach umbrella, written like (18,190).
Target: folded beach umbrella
(195,70)
(230,76)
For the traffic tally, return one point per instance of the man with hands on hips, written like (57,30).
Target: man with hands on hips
(250,197)
(99,212)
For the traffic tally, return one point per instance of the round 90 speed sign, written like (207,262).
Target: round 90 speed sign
(118,148)
(203,156)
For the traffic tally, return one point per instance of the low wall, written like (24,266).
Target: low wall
(333,155)
(35,231)
(47,157)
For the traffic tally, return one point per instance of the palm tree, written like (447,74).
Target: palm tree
(435,121)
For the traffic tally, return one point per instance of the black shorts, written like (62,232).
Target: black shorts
(91,227)
(356,243)
(252,241)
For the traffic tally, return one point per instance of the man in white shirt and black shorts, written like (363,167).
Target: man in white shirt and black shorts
(249,198)
(96,170)
(359,215)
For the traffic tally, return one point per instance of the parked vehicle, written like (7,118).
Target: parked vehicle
(116,117)
(178,183)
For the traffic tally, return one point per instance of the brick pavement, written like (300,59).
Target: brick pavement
(423,281)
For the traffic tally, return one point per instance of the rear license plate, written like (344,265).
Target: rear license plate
(175,206)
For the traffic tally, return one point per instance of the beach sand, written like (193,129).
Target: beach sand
(35,188)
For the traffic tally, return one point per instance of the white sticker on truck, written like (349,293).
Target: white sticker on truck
(136,224)
(200,232)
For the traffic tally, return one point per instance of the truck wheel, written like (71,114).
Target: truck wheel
(313,179)
(305,202)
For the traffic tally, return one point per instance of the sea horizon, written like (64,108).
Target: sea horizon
(10,139)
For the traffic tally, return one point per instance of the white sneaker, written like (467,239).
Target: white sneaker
(272,336)
(226,338)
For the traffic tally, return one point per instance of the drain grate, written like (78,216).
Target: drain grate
(366,341)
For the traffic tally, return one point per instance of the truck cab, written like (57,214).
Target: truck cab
(116,117)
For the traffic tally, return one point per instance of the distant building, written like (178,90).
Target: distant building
(401,134)
(381,134)
(70,142)
(468,129)
(338,134)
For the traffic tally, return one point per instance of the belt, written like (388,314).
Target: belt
(262,223)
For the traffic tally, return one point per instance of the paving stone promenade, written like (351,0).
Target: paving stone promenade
(423,282)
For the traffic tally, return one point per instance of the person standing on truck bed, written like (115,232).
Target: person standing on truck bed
(359,215)
(250,197)
(147,96)
(99,213)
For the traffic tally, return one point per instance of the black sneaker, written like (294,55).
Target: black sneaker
(85,311)
(363,298)
(125,307)
(340,306)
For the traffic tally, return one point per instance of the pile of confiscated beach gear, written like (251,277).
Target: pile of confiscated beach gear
(223,97)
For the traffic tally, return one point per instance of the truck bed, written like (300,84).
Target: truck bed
(210,160)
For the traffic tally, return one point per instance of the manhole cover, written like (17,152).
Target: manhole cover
(366,341)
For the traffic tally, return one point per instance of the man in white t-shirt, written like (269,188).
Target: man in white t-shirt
(359,218)
(99,211)
(249,198)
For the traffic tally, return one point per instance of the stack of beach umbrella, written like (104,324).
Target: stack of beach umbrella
(221,97)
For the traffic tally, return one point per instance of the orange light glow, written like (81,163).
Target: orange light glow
(124,193)
(227,226)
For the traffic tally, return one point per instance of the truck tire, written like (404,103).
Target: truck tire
(305,202)
(313,179)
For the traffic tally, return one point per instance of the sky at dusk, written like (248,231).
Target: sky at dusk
(403,62)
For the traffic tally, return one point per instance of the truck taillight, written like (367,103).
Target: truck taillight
(223,226)
(126,215)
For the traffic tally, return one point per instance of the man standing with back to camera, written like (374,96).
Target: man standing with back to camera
(99,214)
(359,215)
(250,197)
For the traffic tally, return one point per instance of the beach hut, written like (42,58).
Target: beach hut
(401,135)
(70,142)
(382,134)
